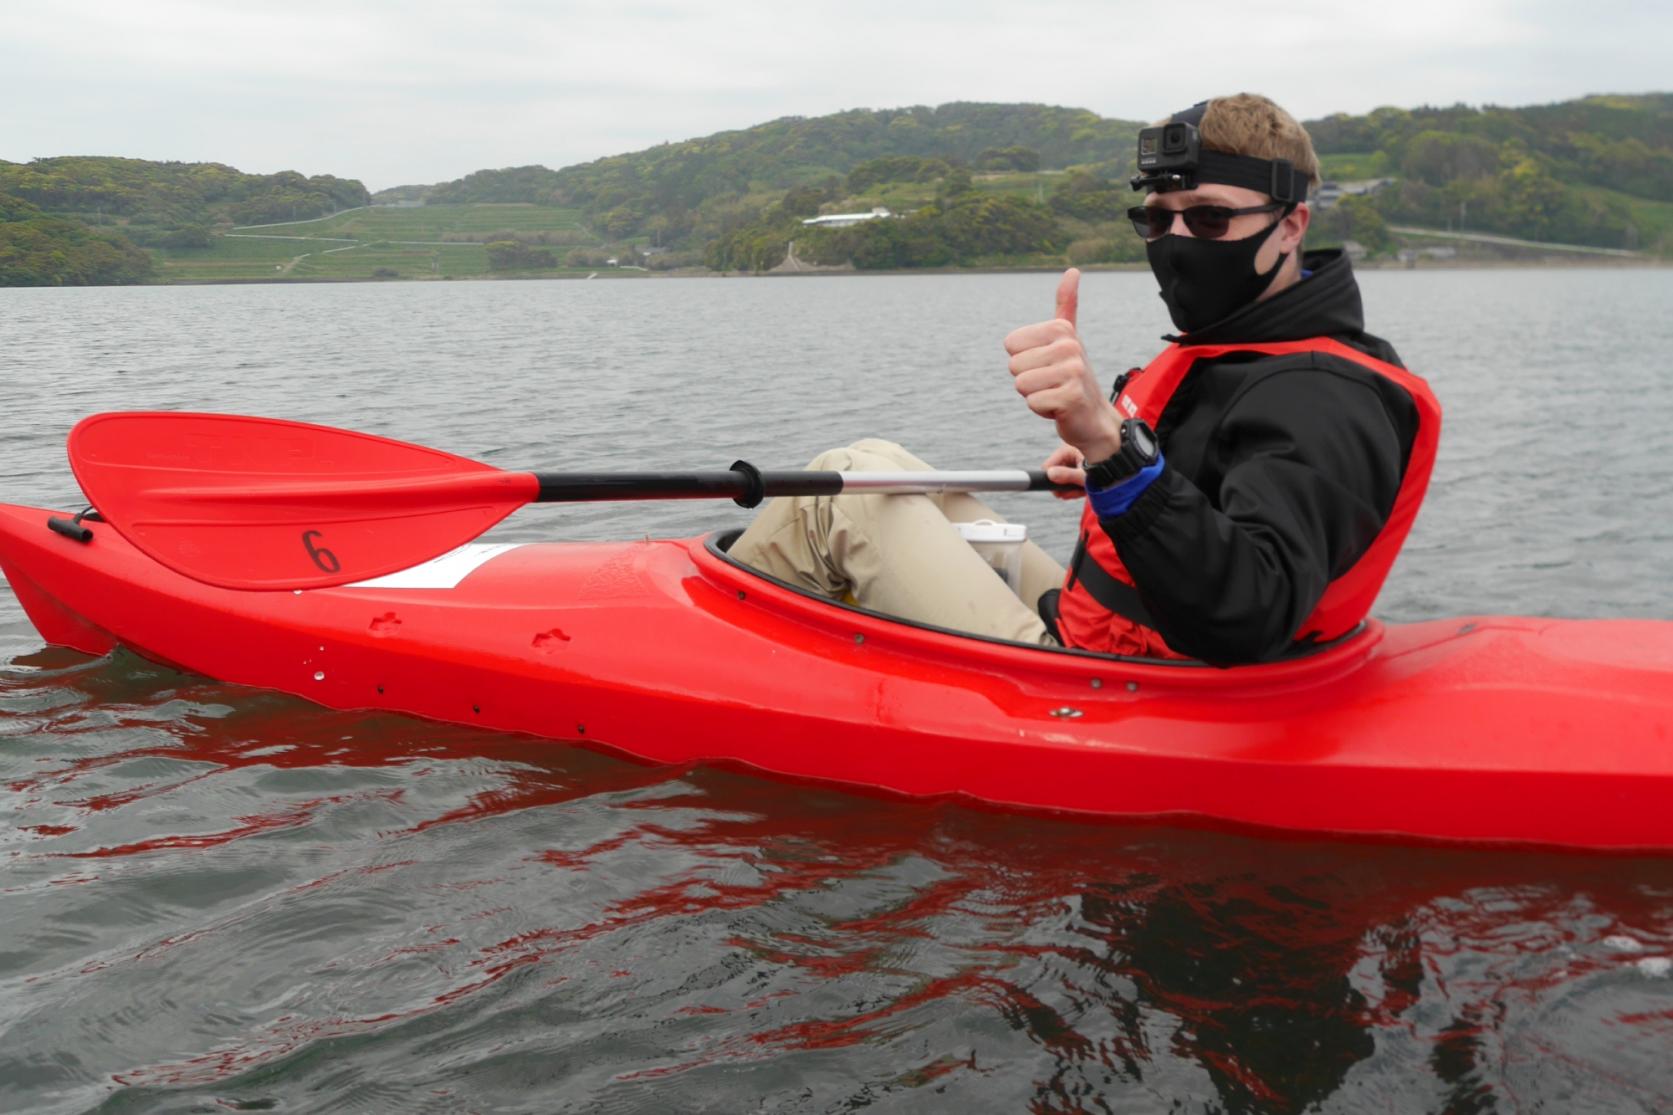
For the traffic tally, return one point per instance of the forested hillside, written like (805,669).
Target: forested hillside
(41,250)
(104,205)
(965,185)
(689,193)
(996,184)
(146,196)
(1596,171)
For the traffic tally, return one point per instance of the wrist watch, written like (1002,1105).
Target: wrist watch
(1138,451)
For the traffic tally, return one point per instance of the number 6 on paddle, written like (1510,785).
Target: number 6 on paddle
(323,558)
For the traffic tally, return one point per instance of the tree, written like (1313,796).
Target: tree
(802,201)
(514,255)
(954,184)
(1009,158)
(191,236)
(1352,218)
(1090,198)
(50,251)
(1440,157)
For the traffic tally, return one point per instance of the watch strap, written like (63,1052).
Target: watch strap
(1129,460)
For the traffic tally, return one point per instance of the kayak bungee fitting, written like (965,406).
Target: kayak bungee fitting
(1476,729)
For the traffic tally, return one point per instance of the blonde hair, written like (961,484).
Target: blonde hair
(1250,124)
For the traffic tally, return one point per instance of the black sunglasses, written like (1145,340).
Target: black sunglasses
(1206,222)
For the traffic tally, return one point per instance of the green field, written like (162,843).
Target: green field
(424,242)
(431,222)
(230,259)
(1655,218)
(1354,167)
(406,261)
(903,197)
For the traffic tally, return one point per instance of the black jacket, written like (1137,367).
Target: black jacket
(1280,472)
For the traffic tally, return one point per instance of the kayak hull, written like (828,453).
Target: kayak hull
(1484,729)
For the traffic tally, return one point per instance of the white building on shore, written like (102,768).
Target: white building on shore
(843,220)
(1330,193)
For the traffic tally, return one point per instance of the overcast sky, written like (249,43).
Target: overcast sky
(409,91)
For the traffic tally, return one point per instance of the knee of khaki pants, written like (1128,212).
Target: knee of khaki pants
(893,456)
(868,455)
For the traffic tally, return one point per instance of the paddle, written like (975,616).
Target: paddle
(265,503)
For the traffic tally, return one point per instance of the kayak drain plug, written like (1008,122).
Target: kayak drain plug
(1066,713)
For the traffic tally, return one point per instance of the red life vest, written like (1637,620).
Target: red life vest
(1092,623)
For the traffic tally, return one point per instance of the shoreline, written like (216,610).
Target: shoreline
(1551,264)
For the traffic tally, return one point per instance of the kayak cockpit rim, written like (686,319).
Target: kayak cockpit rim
(718,544)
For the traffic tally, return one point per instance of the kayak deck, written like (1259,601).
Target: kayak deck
(1484,729)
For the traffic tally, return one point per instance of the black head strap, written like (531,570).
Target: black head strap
(1192,116)
(1277,178)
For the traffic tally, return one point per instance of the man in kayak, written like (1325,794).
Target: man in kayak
(1247,491)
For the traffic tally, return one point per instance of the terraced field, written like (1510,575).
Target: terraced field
(423,242)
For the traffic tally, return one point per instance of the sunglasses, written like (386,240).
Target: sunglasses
(1206,222)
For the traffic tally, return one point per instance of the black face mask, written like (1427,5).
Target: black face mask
(1205,280)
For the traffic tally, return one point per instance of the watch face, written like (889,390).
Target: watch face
(1143,440)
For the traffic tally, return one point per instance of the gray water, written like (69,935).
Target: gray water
(1550,497)
(214,898)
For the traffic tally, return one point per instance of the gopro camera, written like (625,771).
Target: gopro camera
(1168,147)
(1171,157)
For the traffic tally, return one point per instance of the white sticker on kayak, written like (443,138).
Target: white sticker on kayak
(443,572)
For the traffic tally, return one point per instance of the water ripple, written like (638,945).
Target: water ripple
(221,899)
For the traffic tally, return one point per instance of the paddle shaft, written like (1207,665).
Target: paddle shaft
(739,483)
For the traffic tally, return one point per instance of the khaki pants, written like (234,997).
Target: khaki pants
(897,554)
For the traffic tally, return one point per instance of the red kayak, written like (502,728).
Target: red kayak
(1485,729)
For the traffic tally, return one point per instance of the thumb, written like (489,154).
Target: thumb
(1068,295)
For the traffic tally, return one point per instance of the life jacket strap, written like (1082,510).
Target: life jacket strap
(1047,607)
(1116,596)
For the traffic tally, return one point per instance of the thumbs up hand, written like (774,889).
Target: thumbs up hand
(1051,372)
(1068,296)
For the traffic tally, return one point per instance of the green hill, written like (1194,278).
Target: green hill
(971,185)
(104,209)
(382,242)
(148,200)
(683,194)
(1596,171)
(41,250)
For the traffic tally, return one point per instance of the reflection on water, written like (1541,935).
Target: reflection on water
(218,899)
(235,898)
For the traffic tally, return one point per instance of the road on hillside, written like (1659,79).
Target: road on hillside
(1510,241)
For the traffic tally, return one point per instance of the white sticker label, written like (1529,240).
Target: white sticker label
(442,572)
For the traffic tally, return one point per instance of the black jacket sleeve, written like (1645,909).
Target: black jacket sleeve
(1305,465)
